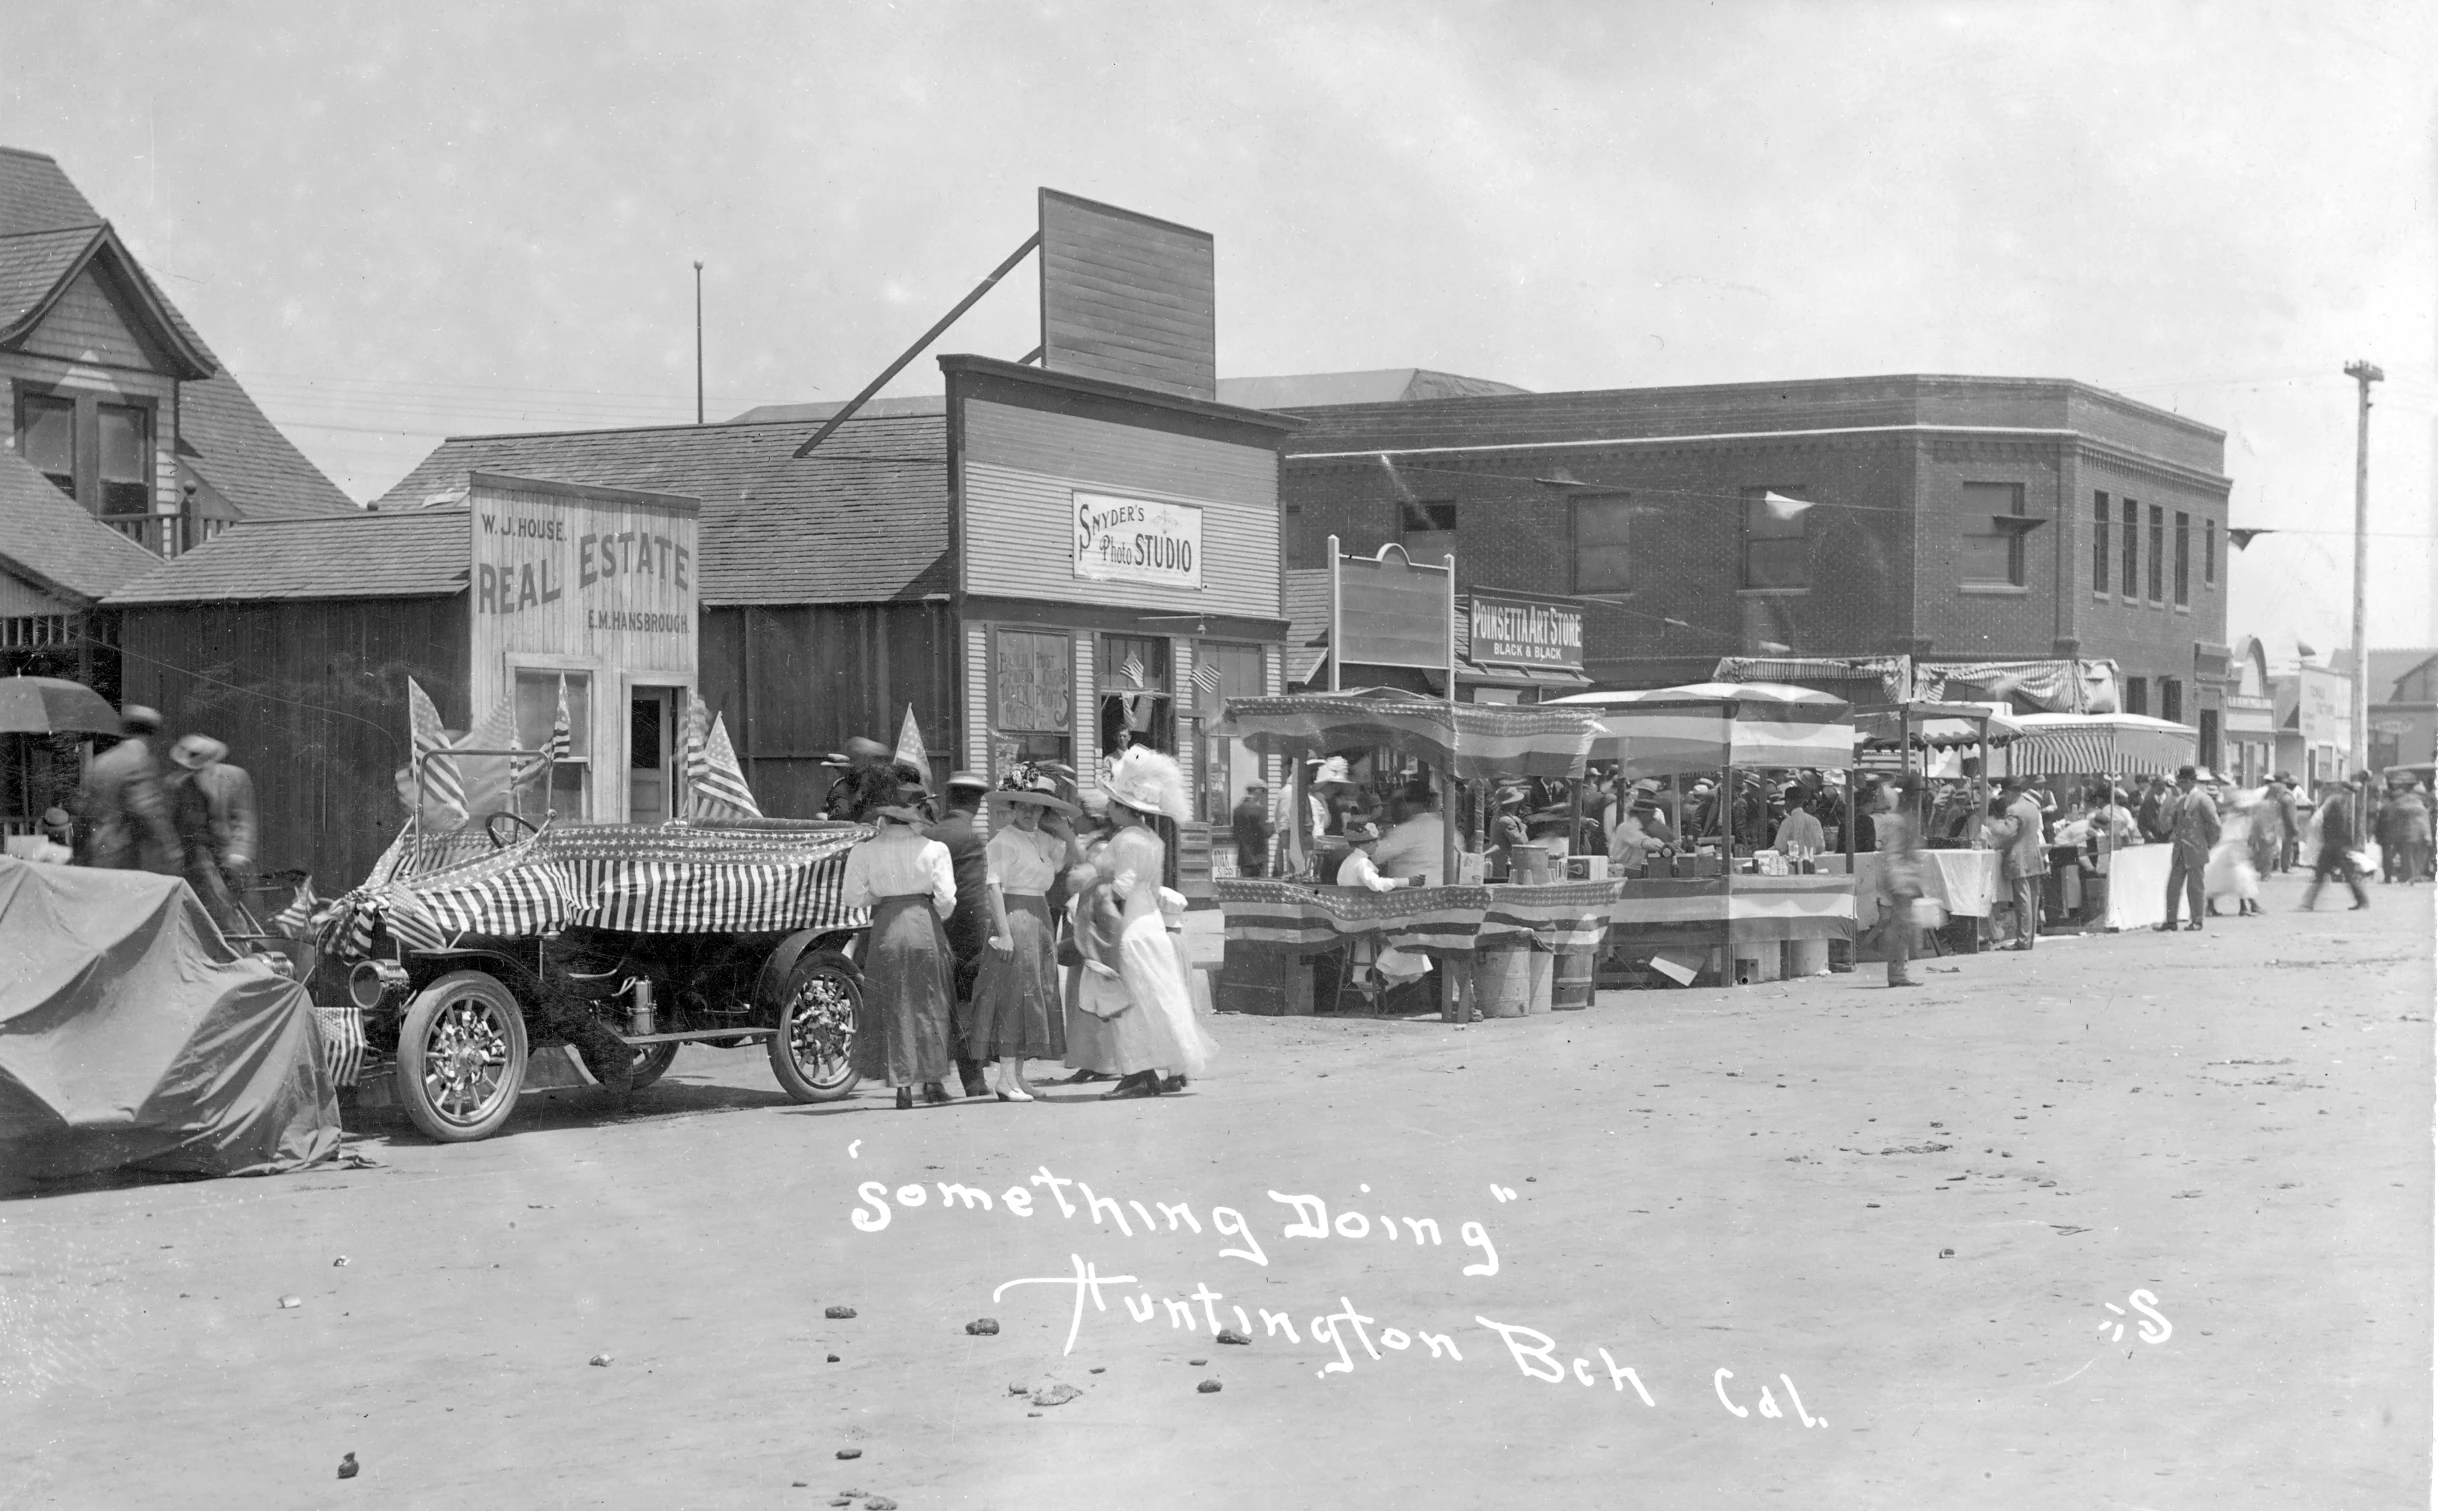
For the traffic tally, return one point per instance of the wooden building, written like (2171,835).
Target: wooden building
(294,640)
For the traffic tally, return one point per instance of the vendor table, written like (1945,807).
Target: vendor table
(1296,920)
(1709,911)
(2137,886)
(1965,882)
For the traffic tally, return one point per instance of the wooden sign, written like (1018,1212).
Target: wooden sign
(1033,690)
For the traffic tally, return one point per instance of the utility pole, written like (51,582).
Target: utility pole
(698,341)
(2363,375)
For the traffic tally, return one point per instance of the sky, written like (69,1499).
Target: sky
(406,222)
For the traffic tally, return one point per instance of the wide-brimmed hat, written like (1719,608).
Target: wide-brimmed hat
(968,780)
(56,818)
(835,758)
(136,719)
(1148,782)
(1361,833)
(901,814)
(194,752)
(1040,794)
(859,748)
(1331,770)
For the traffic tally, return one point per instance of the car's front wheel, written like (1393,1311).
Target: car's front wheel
(813,1052)
(461,1057)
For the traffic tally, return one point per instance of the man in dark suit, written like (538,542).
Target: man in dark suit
(969,926)
(124,803)
(2191,821)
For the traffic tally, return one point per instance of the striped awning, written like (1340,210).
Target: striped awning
(767,876)
(1294,916)
(2101,745)
(1705,726)
(1480,741)
(1941,725)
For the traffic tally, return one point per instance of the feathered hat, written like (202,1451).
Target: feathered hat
(1148,782)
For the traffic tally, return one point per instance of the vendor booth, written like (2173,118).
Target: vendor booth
(1732,917)
(2129,888)
(1527,943)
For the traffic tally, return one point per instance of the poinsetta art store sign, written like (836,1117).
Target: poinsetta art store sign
(1137,540)
(1525,632)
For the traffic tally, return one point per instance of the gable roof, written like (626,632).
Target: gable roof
(36,268)
(47,536)
(2387,667)
(417,553)
(863,519)
(242,454)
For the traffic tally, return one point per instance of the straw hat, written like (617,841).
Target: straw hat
(194,752)
(969,781)
(1148,782)
(1040,791)
(1332,770)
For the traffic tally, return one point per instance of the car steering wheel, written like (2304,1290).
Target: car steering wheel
(518,820)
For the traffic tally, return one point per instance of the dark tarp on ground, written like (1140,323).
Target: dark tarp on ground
(132,1035)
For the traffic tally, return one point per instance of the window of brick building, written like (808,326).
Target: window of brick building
(1777,540)
(2209,553)
(2184,559)
(2171,700)
(1427,529)
(2137,695)
(2158,553)
(1604,559)
(2131,539)
(2102,522)
(1988,549)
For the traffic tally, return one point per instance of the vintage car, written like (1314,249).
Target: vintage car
(467,953)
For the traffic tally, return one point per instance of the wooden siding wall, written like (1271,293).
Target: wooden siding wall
(311,700)
(1022,467)
(1127,298)
(796,681)
(85,326)
(563,626)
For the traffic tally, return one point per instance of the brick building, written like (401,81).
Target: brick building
(1953,517)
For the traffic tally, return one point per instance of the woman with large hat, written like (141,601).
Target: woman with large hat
(909,991)
(1017,1015)
(1154,1044)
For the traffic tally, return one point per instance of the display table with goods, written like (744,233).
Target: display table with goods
(1732,918)
(1277,930)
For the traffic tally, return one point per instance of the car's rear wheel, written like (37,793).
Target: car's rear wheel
(461,1057)
(813,1052)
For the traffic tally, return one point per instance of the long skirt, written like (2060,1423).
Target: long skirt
(2230,872)
(1157,1030)
(901,1028)
(1016,1010)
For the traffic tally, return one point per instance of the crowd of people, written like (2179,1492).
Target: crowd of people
(196,819)
(1051,939)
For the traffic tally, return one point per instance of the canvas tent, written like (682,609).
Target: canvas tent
(132,1035)
(1708,726)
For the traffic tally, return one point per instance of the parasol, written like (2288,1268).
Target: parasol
(1705,726)
(1476,741)
(53,705)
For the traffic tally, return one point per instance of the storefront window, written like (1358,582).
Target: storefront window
(1222,672)
(1032,707)
(568,792)
(1136,707)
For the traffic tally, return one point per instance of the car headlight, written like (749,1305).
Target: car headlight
(374,982)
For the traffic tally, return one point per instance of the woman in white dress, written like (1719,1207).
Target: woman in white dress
(1154,1043)
(901,1020)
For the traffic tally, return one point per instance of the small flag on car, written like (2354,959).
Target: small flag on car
(296,919)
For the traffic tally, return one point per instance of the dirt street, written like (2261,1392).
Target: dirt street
(2132,1221)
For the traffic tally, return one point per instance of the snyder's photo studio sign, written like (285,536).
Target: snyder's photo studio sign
(1137,540)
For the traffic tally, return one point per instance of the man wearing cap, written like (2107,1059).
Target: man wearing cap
(969,925)
(123,801)
(211,805)
(1252,826)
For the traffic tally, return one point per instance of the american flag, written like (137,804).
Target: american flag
(1132,668)
(562,742)
(443,789)
(1206,682)
(715,784)
(296,919)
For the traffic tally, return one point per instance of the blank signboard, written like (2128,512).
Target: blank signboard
(1127,298)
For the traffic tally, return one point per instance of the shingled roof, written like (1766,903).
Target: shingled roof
(863,519)
(49,233)
(47,536)
(416,553)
